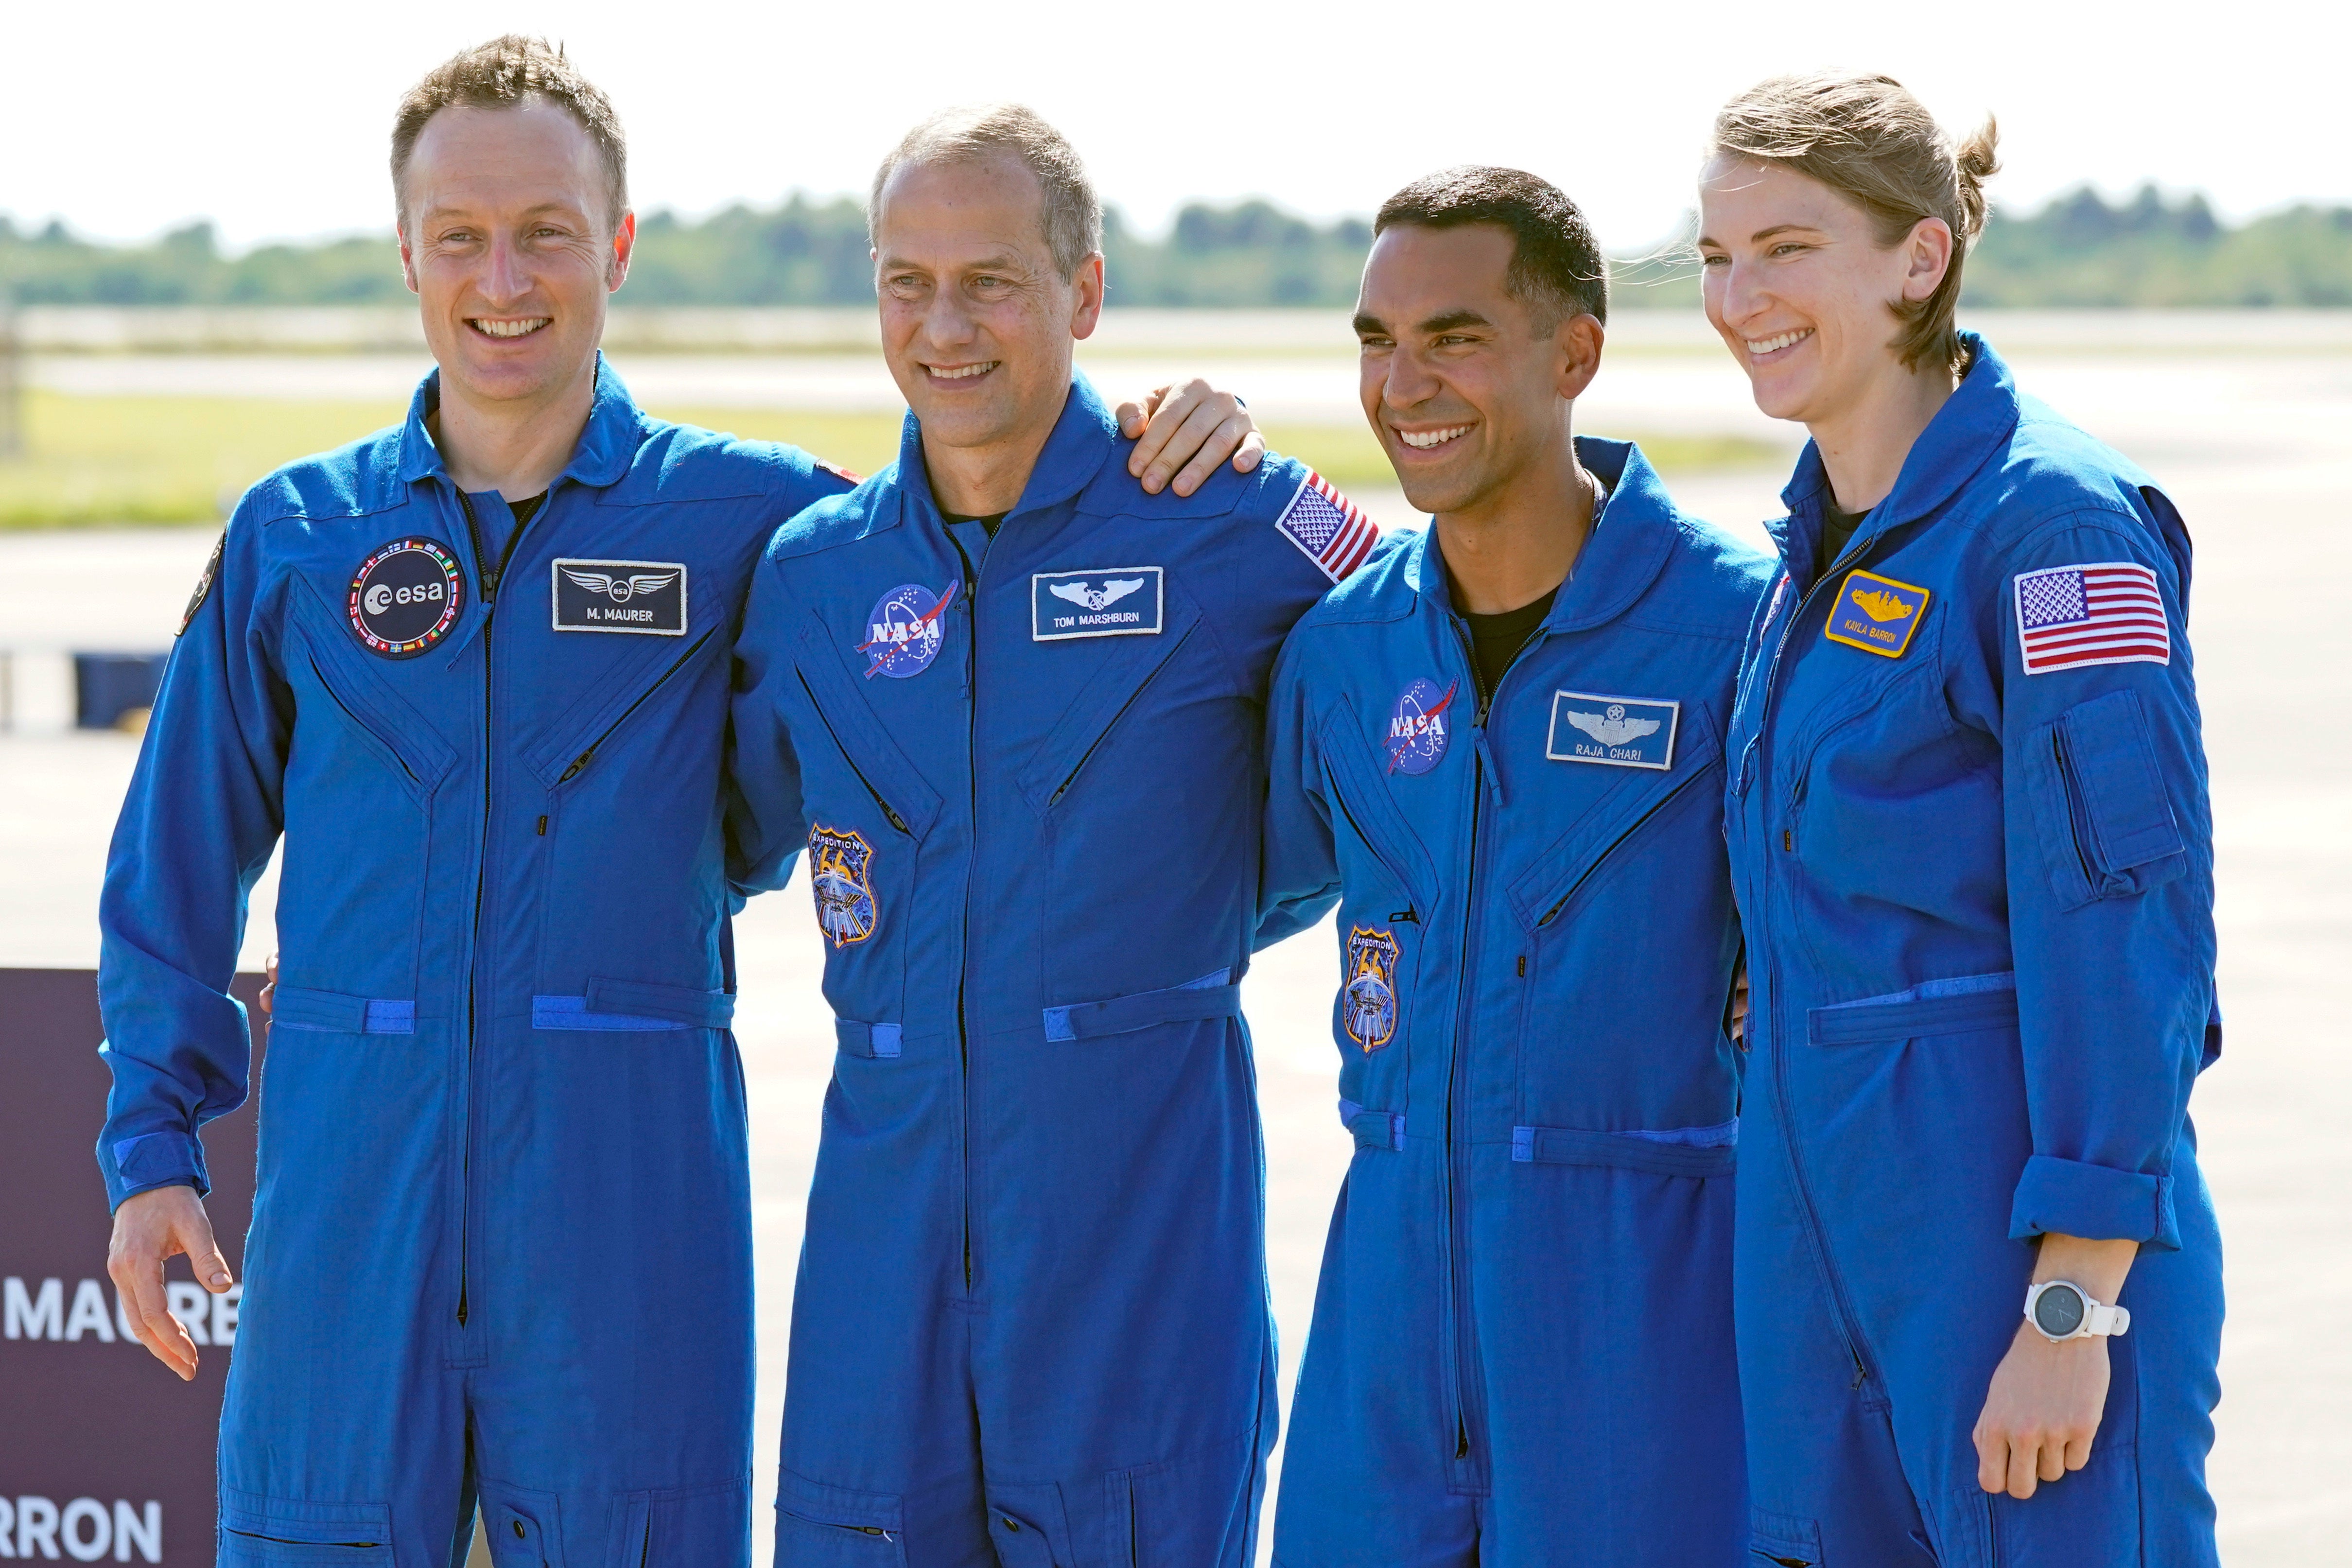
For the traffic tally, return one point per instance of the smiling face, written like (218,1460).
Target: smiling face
(1466,386)
(978,325)
(1800,287)
(506,238)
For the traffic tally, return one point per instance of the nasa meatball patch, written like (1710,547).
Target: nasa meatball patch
(1106,602)
(405,596)
(648,597)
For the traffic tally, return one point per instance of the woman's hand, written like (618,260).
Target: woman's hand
(2043,1409)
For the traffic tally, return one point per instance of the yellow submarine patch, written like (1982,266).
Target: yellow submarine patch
(1875,614)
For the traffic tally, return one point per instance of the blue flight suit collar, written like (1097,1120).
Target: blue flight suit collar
(1083,438)
(607,443)
(1972,427)
(1633,534)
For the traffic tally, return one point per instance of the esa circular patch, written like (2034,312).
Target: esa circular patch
(903,631)
(1419,726)
(405,596)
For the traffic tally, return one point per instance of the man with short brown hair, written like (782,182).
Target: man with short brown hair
(475,669)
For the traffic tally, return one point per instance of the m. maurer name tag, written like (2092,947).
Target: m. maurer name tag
(1108,602)
(645,596)
(1615,732)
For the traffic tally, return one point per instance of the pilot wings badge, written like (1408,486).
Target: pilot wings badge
(648,597)
(1615,732)
(1108,602)
(1368,1007)
(840,878)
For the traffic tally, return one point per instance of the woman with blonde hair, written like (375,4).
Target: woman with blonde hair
(1973,851)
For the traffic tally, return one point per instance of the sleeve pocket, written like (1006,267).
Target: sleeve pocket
(2100,804)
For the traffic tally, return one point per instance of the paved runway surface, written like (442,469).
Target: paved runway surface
(2256,445)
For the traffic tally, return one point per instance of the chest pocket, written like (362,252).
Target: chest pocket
(1390,900)
(1125,669)
(1618,916)
(361,775)
(859,788)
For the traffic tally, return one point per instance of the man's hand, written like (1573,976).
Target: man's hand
(2046,1400)
(149,1227)
(1194,426)
(269,986)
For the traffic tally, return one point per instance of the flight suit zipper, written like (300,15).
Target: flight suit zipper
(1467,1373)
(1842,1305)
(487,577)
(974,569)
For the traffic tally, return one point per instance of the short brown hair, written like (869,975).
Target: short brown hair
(500,74)
(1073,216)
(1866,138)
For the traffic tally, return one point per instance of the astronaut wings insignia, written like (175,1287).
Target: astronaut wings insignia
(621,590)
(643,596)
(1612,727)
(1102,602)
(1614,732)
(1112,591)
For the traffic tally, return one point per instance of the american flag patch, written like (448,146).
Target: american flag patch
(2102,612)
(1328,527)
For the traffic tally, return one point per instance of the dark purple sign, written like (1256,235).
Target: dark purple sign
(106,1457)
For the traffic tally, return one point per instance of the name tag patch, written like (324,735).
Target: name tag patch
(1875,614)
(643,596)
(1615,732)
(1107,602)
(405,596)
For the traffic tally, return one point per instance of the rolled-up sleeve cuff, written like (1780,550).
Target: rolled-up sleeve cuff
(149,1160)
(2097,1203)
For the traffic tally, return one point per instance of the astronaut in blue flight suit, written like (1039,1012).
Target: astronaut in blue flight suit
(1979,1294)
(1500,747)
(1012,709)
(501,1244)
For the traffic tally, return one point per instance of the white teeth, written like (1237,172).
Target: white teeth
(1421,440)
(961,372)
(1769,345)
(497,329)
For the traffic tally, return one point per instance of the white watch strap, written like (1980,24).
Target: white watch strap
(2108,1319)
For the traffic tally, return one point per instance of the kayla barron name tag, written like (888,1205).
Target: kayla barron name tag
(1616,731)
(1108,602)
(643,596)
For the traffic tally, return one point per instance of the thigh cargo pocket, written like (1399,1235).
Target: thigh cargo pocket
(256,1530)
(820,1526)
(1784,1540)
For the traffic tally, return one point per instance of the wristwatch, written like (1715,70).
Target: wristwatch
(2061,1310)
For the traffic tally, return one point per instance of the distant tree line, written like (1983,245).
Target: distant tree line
(2079,251)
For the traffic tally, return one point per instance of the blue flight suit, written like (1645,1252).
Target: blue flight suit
(1522,1348)
(1030,1322)
(501,1237)
(1969,831)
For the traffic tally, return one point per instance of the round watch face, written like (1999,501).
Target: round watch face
(2058,1311)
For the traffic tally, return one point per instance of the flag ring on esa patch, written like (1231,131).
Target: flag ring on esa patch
(405,596)
(2099,612)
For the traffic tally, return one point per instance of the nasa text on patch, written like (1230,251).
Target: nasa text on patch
(1615,732)
(1103,602)
(1875,614)
(648,597)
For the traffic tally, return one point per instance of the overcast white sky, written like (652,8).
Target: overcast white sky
(271,119)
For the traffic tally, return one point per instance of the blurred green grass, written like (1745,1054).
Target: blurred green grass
(98,461)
